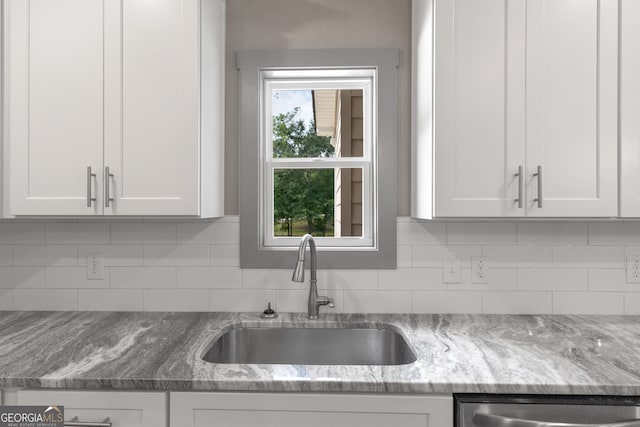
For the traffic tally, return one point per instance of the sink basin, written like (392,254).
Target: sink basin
(311,346)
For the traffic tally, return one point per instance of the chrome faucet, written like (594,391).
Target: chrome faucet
(315,301)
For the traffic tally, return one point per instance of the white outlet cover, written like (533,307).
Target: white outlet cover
(95,266)
(479,269)
(452,270)
(633,268)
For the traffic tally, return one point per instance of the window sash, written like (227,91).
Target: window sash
(368,209)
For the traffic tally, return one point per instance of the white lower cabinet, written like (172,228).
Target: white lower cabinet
(206,409)
(124,409)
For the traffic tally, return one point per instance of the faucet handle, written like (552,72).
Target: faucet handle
(323,300)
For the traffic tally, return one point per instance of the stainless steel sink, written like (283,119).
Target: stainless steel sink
(311,346)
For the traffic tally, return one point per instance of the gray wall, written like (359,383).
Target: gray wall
(307,24)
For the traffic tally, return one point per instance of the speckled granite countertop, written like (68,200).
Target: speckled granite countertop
(456,353)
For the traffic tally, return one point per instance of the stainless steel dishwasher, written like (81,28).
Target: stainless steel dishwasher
(546,411)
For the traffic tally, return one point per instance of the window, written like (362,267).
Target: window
(318,144)
(318,154)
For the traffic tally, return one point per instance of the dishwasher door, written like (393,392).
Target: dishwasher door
(546,411)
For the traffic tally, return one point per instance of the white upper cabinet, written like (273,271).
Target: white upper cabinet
(134,90)
(571,121)
(54,130)
(477,151)
(630,109)
(519,86)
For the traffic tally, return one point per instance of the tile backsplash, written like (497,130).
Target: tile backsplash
(535,267)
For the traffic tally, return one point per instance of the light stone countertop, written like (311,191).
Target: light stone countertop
(456,353)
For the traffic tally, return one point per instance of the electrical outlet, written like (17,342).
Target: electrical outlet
(95,266)
(633,268)
(452,270)
(479,269)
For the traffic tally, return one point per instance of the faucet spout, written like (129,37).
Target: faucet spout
(315,301)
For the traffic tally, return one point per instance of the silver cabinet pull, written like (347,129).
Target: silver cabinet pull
(89,176)
(520,176)
(489,420)
(539,175)
(107,184)
(73,422)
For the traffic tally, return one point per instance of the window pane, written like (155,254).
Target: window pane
(324,202)
(317,123)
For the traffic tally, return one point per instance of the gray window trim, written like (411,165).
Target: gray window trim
(250,63)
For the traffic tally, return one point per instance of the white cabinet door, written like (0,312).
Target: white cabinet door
(124,409)
(630,109)
(54,66)
(191,409)
(152,89)
(571,99)
(479,107)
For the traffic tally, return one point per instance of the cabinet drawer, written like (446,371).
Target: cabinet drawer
(193,409)
(124,409)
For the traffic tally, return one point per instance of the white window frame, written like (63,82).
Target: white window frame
(382,254)
(309,79)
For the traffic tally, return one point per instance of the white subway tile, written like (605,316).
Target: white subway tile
(152,233)
(242,300)
(518,256)
(295,301)
(209,277)
(209,232)
(549,279)
(6,299)
(632,250)
(6,255)
(45,299)
(426,233)
(225,255)
(176,255)
(29,233)
(447,302)
(588,256)
(481,233)
(176,300)
(521,302)
(143,277)
(500,279)
(431,256)
(347,279)
(256,278)
(77,233)
(411,279)
(110,300)
(21,277)
(588,303)
(614,233)
(114,255)
(377,302)
(610,279)
(45,255)
(552,233)
(73,278)
(404,256)
(632,303)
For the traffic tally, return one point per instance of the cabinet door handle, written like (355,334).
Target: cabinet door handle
(73,422)
(89,176)
(539,175)
(107,184)
(520,176)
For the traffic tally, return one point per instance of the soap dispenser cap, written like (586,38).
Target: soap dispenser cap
(269,313)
